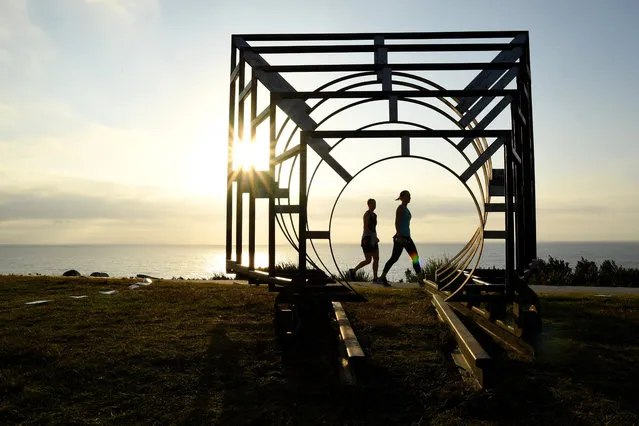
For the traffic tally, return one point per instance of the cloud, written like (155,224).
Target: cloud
(107,213)
(69,206)
(575,209)
(63,144)
(24,46)
(129,10)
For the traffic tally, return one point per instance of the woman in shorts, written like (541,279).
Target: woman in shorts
(369,242)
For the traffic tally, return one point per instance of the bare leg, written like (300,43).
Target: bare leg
(375,264)
(363,263)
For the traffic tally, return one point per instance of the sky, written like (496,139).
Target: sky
(113,116)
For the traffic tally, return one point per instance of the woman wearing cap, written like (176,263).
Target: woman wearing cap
(369,241)
(402,239)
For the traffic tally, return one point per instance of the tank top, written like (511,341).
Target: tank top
(372,225)
(404,222)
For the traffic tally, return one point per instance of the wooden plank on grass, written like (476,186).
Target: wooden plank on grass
(353,349)
(476,357)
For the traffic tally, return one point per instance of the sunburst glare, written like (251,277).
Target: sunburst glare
(250,155)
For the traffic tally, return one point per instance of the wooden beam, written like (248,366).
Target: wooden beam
(287,208)
(392,109)
(236,72)
(476,357)
(485,121)
(261,116)
(478,107)
(373,134)
(472,169)
(487,77)
(318,235)
(448,66)
(405,146)
(296,109)
(244,93)
(495,235)
(281,193)
(322,148)
(353,348)
(287,154)
(371,36)
(495,207)
(407,47)
(387,94)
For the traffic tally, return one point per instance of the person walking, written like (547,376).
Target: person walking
(370,241)
(402,239)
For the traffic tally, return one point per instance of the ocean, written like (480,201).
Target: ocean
(204,261)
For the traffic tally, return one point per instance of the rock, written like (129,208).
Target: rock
(100,274)
(146,276)
(72,273)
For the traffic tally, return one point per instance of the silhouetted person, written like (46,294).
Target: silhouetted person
(402,239)
(369,242)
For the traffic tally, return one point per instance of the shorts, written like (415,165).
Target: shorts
(369,244)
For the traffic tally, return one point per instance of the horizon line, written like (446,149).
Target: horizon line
(286,244)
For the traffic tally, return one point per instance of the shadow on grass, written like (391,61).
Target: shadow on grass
(516,387)
(261,382)
(580,376)
(595,343)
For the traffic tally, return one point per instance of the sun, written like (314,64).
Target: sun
(249,155)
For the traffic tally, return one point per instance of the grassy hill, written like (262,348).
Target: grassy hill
(180,352)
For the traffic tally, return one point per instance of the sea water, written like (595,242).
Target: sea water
(204,261)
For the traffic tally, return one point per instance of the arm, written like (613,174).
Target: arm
(398,216)
(366,216)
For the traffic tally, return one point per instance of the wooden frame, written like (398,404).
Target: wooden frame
(504,81)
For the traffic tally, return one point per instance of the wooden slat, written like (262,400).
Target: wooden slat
(245,92)
(482,103)
(495,235)
(322,148)
(484,122)
(392,109)
(296,109)
(405,146)
(318,235)
(392,133)
(408,47)
(287,154)
(487,77)
(477,358)
(261,116)
(372,94)
(383,35)
(236,71)
(516,156)
(429,66)
(472,169)
(495,207)
(287,208)
(353,348)
(496,190)
(521,116)
(281,193)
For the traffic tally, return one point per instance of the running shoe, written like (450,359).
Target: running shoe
(420,279)
(383,281)
(351,275)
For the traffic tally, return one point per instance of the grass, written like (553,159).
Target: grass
(360,276)
(180,352)
(429,269)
